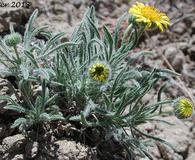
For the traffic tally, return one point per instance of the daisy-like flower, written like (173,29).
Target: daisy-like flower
(99,72)
(183,108)
(149,15)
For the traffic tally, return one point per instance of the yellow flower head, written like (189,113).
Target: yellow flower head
(149,15)
(183,108)
(99,72)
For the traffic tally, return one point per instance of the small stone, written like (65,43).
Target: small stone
(31,149)
(180,28)
(14,143)
(149,127)
(18,157)
(183,46)
(175,57)
(154,151)
(177,63)
(171,52)
(77,3)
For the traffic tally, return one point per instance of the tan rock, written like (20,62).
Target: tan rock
(70,150)
(14,143)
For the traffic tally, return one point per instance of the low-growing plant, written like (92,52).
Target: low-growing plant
(35,108)
(90,80)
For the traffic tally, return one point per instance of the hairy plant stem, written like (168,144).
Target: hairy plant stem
(127,32)
(17,54)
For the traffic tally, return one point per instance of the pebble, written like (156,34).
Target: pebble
(77,3)
(18,157)
(14,143)
(180,28)
(177,63)
(171,52)
(176,57)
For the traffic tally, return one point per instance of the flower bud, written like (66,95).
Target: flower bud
(12,39)
(99,72)
(183,108)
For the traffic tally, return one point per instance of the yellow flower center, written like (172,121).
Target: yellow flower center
(99,72)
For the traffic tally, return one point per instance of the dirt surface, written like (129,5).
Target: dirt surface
(177,45)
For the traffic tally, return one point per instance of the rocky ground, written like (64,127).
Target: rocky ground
(177,45)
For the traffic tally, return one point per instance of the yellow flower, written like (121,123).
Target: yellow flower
(183,108)
(99,72)
(149,15)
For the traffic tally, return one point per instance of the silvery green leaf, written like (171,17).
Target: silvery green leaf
(8,99)
(25,72)
(18,122)
(43,72)
(56,117)
(5,72)
(167,72)
(31,57)
(133,74)
(53,40)
(44,117)
(29,29)
(117,29)
(93,28)
(133,57)
(16,108)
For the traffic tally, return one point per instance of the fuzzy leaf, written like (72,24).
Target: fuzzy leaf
(9,99)
(44,117)
(19,122)
(109,40)
(29,29)
(135,56)
(56,117)
(31,57)
(53,40)
(93,27)
(25,72)
(15,108)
